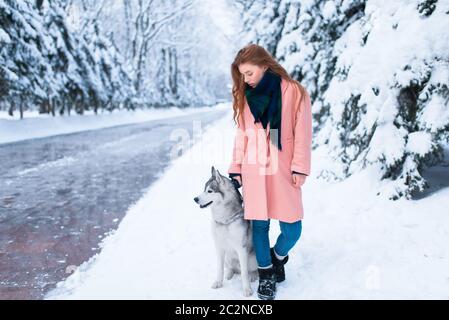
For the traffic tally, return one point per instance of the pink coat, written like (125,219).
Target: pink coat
(267,186)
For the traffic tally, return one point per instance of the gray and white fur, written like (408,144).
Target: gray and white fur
(232,234)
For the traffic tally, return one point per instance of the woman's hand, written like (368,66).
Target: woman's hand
(298,179)
(239,179)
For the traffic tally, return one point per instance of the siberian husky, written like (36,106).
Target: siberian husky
(232,233)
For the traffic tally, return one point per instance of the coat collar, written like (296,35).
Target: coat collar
(284,85)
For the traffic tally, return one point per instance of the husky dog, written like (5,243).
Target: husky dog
(232,233)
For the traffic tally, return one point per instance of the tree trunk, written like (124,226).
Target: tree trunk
(173,73)
(12,108)
(21,109)
(52,106)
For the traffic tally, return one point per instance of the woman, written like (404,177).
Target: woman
(269,163)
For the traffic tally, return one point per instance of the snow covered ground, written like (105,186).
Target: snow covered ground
(354,245)
(35,125)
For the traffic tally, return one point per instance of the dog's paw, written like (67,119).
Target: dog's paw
(217,284)
(247,291)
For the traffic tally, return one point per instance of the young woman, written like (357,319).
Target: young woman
(269,163)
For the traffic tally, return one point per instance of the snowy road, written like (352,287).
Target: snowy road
(60,195)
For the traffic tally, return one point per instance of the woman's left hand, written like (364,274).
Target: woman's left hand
(298,179)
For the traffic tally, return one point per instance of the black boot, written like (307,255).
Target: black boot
(267,284)
(278,266)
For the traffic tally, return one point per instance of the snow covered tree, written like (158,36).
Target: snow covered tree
(388,100)
(169,50)
(46,63)
(263,22)
(25,73)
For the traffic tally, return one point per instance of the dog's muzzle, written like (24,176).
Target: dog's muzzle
(196,199)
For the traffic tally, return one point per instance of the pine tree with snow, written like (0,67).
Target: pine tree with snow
(25,73)
(388,100)
(263,22)
(46,63)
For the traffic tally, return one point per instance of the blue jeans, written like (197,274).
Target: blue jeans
(290,233)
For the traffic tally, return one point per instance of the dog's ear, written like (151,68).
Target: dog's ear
(213,171)
(218,176)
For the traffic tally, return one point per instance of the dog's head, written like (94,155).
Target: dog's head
(217,189)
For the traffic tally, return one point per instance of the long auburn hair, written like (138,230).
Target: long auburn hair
(257,55)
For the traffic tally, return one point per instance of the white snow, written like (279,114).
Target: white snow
(354,245)
(329,10)
(419,142)
(436,115)
(4,37)
(37,126)
(381,149)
